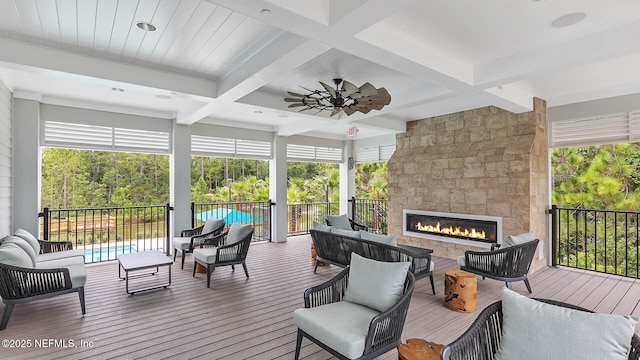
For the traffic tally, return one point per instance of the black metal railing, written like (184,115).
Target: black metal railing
(597,240)
(256,213)
(302,216)
(370,212)
(103,233)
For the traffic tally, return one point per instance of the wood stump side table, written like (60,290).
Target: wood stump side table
(419,349)
(460,290)
(313,257)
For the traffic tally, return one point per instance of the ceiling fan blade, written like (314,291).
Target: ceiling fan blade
(296,105)
(368,90)
(349,110)
(295,94)
(292,100)
(331,90)
(364,110)
(335,111)
(348,88)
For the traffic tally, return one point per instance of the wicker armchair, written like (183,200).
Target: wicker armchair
(191,238)
(54,246)
(508,264)
(228,248)
(481,340)
(385,329)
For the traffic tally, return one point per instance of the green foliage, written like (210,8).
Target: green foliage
(84,178)
(604,177)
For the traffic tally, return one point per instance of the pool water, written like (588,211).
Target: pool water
(107,253)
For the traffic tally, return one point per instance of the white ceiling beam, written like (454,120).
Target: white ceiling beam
(610,44)
(284,54)
(22,56)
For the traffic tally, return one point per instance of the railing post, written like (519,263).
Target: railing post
(167,211)
(271,205)
(193,215)
(554,235)
(353,207)
(45,223)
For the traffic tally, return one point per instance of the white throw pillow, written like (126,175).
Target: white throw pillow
(537,331)
(375,284)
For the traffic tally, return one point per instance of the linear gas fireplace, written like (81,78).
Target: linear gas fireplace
(457,228)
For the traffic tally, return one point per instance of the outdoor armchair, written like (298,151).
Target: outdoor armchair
(507,263)
(228,248)
(191,238)
(358,314)
(28,273)
(482,339)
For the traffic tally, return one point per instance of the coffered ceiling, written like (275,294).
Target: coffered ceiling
(231,62)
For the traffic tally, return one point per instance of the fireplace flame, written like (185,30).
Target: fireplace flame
(470,233)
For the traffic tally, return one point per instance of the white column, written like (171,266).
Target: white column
(26,165)
(347,179)
(180,189)
(278,188)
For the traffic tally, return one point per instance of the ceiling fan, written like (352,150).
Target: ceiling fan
(348,98)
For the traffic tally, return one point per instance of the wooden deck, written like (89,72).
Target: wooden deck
(252,319)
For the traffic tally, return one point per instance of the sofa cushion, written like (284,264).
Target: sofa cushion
(238,232)
(339,221)
(30,239)
(183,243)
(75,253)
(512,240)
(383,239)
(212,224)
(535,330)
(342,232)
(462,261)
(12,254)
(60,262)
(321,227)
(375,284)
(77,270)
(341,325)
(206,255)
(24,245)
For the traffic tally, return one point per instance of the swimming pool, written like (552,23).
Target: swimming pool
(106,253)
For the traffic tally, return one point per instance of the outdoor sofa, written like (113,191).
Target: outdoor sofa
(32,269)
(335,246)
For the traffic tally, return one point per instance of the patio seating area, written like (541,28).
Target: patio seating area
(240,318)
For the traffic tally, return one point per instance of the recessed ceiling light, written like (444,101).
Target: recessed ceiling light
(257,112)
(117,89)
(163,97)
(145,26)
(568,20)
(265,12)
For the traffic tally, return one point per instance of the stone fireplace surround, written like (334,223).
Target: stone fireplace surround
(485,161)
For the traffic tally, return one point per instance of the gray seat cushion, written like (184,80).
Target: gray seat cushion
(205,255)
(342,325)
(383,239)
(183,243)
(513,240)
(60,262)
(61,255)
(77,272)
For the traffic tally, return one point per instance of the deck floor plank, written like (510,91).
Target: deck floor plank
(240,318)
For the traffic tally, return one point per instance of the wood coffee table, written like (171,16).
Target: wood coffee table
(140,261)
